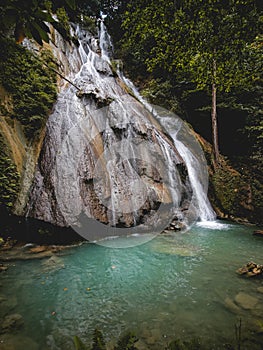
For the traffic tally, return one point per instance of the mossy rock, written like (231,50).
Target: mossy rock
(9,177)
(30,83)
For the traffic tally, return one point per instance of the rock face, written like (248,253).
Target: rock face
(104,156)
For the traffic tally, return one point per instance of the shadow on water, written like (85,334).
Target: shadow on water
(35,231)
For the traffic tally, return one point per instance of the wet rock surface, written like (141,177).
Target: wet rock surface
(258,233)
(7,305)
(246,301)
(105,156)
(251,269)
(232,306)
(31,251)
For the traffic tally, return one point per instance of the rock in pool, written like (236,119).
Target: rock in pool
(12,323)
(246,301)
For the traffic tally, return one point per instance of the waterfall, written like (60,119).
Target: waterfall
(179,132)
(111,164)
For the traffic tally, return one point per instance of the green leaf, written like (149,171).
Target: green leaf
(44,16)
(42,32)
(9,20)
(71,4)
(78,344)
(59,27)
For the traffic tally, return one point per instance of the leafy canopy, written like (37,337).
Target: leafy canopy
(29,18)
(184,37)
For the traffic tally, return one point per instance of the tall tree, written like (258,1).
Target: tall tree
(202,41)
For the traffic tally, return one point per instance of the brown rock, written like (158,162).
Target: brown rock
(258,233)
(246,301)
(3,268)
(231,306)
(38,249)
(251,269)
(12,323)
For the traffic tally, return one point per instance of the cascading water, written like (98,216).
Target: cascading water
(106,158)
(192,156)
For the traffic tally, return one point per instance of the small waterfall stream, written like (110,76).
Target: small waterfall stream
(110,157)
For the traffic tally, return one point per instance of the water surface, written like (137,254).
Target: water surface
(183,285)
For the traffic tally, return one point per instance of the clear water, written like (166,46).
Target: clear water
(172,286)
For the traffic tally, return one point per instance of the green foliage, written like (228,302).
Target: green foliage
(85,8)
(178,344)
(169,47)
(163,93)
(79,345)
(183,40)
(29,18)
(63,19)
(31,85)
(231,191)
(98,341)
(127,342)
(9,177)
(90,24)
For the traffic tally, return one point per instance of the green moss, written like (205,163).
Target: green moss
(9,178)
(90,24)
(31,84)
(64,20)
(227,187)
(98,340)
(127,342)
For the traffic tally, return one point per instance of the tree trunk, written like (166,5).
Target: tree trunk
(214,120)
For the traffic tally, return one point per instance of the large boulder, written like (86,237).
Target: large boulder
(246,301)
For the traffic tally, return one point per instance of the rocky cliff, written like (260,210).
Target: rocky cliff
(104,156)
(101,154)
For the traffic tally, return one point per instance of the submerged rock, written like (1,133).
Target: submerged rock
(28,252)
(140,345)
(246,301)
(17,342)
(173,248)
(52,264)
(7,304)
(231,306)
(12,323)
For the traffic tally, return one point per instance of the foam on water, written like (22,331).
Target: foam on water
(214,225)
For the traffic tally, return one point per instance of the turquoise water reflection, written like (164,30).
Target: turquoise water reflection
(172,286)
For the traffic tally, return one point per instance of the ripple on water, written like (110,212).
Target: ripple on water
(173,286)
